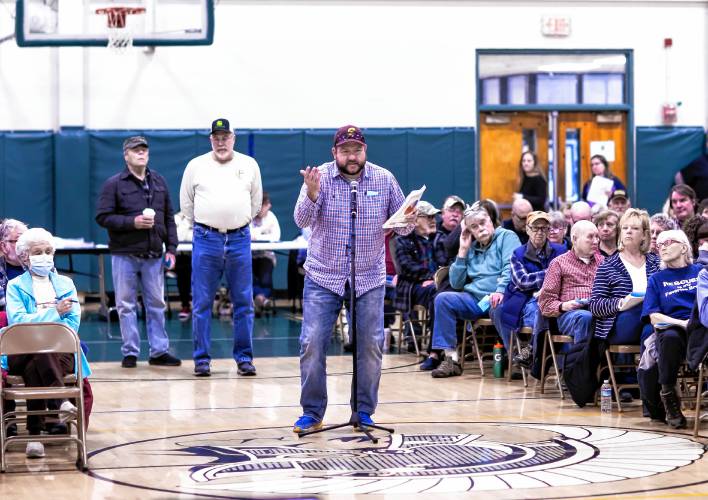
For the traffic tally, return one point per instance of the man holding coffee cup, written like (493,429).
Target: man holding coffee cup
(134,205)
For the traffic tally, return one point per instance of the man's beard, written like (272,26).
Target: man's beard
(343,167)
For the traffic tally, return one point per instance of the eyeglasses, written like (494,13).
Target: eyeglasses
(667,243)
(555,229)
(221,138)
(539,229)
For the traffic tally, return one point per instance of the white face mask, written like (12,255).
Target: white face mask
(41,265)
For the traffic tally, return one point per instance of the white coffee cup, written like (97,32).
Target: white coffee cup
(149,213)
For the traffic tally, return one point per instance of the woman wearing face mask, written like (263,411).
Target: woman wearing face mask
(42,295)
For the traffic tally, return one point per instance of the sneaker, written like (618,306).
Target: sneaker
(448,368)
(184,314)
(626,397)
(364,421)
(202,370)
(306,423)
(246,369)
(129,362)
(429,364)
(68,412)
(672,405)
(525,357)
(34,450)
(165,359)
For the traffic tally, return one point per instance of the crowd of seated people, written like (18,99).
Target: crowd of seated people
(588,270)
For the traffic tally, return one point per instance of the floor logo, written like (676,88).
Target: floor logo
(497,456)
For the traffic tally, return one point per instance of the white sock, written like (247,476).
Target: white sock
(451,353)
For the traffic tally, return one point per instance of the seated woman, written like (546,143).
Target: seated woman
(607,222)
(42,295)
(621,283)
(264,227)
(670,296)
(660,223)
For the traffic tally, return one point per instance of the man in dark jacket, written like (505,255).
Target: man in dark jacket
(134,205)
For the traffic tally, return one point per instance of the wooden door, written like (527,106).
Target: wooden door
(503,137)
(590,128)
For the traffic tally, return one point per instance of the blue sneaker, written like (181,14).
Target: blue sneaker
(364,420)
(202,370)
(306,423)
(430,363)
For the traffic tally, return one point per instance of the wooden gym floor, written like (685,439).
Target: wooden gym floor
(162,433)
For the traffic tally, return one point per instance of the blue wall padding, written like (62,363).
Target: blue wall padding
(53,179)
(27,160)
(661,152)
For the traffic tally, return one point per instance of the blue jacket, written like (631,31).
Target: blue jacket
(612,283)
(487,269)
(532,265)
(22,307)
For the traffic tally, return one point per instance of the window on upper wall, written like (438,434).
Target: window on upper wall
(549,79)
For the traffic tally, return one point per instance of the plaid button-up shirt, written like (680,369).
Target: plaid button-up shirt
(327,264)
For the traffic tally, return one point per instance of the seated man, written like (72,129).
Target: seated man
(528,269)
(568,283)
(580,210)
(619,202)
(520,210)
(264,227)
(452,210)
(482,271)
(417,263)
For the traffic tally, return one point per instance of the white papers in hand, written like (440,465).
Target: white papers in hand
(409,206)
(599,187)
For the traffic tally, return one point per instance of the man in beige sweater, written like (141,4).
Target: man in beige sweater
(221,193)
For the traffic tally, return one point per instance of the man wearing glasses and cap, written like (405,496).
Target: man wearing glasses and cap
(324,206)
(221,194)
(135,207)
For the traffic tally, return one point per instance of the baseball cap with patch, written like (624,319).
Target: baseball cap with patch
(134,142)
(220,125)
(348,133)
(619,193)
(427,209)
(537,216)
(453,200)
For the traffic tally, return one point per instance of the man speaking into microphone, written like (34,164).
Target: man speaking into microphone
(328,196)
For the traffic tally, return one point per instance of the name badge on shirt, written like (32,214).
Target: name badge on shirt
(372,193)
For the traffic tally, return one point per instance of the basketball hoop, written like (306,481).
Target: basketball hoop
(120,36)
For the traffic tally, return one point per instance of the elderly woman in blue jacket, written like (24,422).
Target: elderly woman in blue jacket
(42,295)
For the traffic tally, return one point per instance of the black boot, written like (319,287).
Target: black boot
(672,405)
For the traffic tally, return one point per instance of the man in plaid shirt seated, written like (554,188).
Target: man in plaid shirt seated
(324,205)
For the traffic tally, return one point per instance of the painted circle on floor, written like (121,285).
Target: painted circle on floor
(459,457)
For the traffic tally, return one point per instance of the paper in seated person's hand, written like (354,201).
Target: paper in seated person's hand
(631,300)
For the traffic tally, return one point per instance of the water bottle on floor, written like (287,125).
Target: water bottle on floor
(606,397)
(498,353)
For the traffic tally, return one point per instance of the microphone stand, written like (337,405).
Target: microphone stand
(354,419)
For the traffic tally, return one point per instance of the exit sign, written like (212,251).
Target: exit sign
(555,26)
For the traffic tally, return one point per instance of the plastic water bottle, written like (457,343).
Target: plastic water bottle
(498,353)
(606,397)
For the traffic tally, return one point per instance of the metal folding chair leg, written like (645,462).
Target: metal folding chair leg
(699,398)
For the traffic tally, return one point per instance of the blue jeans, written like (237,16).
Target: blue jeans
(577,324)
(449,307)
(528,318)
(215,255)
(128,271)
(320,308)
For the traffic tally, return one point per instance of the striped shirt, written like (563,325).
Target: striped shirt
(327,264)
(567,278)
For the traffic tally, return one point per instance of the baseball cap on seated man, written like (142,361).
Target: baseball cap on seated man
(427,209)
(618,193)
(536,216)
(348,133)
(220,125)
(453,200)
(134,142)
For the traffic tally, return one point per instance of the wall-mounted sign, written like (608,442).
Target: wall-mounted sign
(555,26)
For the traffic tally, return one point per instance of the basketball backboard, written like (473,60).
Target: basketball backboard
(41,23)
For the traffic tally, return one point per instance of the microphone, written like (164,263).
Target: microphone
(353,185)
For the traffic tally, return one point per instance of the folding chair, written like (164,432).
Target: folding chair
(43,338)
(515,344)
(478,328)
(550,339)
(611,367)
